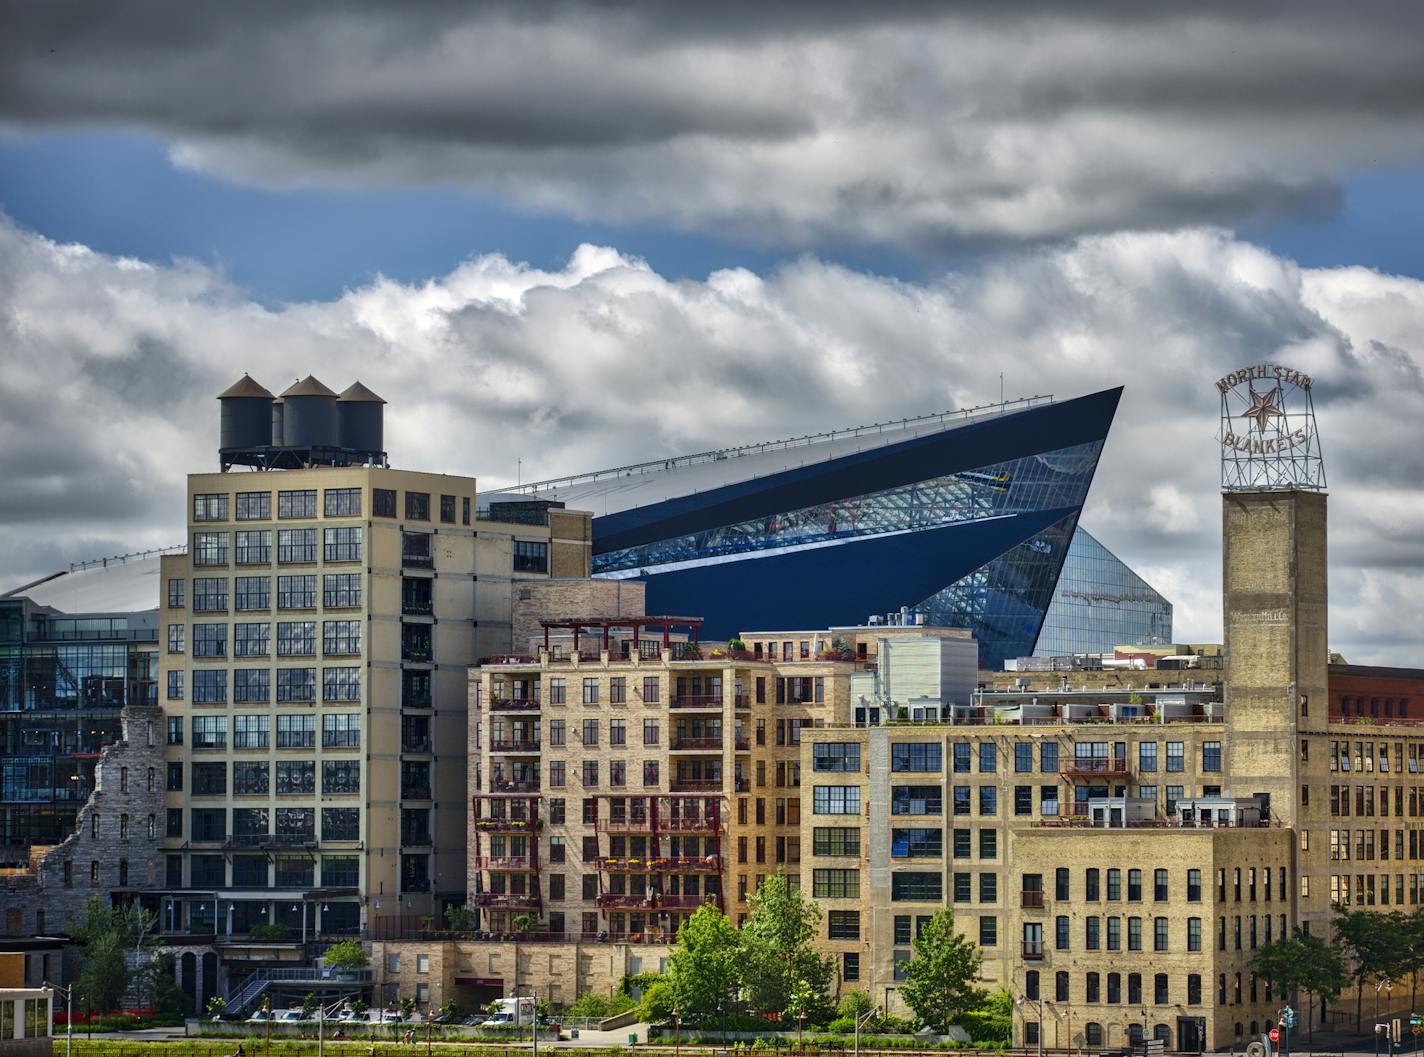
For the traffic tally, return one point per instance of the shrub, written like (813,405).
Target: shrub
(592,1004)
(273,932)
(348,954)
(841,1025)
(854,1004)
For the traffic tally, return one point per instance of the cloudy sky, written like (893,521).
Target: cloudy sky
(576,235)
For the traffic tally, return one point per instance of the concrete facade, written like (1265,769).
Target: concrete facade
(472,973)
(316,768)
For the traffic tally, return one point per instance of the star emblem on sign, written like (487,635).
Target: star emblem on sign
(1263,408)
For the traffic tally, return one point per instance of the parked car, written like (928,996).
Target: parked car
(289,1016)
(261,1014)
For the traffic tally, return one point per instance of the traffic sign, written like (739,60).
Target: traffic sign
(1275,1035)
(1288,1016)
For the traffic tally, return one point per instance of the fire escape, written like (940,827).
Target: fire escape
(664,860)
(506,819)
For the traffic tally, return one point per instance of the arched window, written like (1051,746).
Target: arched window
(1060,987)
(152,827)
(1159,989)
(1031,985)
(1163,1033)
(1239,1029)
(152,775)
(123,779)
(94,825)
(1093,1033)
(1254,1029)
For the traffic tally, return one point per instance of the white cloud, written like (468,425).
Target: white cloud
(110,368)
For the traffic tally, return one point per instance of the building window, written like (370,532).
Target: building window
(342,502)
(531,557)
(917,887)
(916,800)
(850,967)
(1176,757)
(296,546)
(341,590)
(383,502)
(417,506)
(1147,756)
(650,772)
(252,592)
(342,544)
(341,684)
(652,689)
(175,638)
(209,548)
(447,509)
(836,756)
(249,731)
(296,732)
(843,925)
(835,884)
(1023,757)
(988,930)
(296,777)
(912,756)
(254,547)
(210,687)
(210,594)
(296,592)
(835,841)
(1211,756)
(175,593)
(209,732)
(1048,757)
(915,843)
(254,506)
(835,800)
(590,692)
(210,507)
(299,503)
(296,685)
(341,638)
(988,757)
(341,730)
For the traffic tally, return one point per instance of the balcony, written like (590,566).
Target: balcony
(1084,767)
(706,824)
(625,900)
(417,607)
(690,743)
(1033,950)
(514,785)
(696,785)
(628,824)
(506,901)
(1031,900)
(415,792)
(269,840)
(659,864)
(684,902)
(696,701)
(508,825)
(415,699)
(515,746)
(506,863)
(514,704)
(743,743)
(742,701)
(415,744)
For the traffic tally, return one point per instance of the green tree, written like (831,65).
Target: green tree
(346,955)
(941,974)
(779,959)
(169,1001)
(407,1007)
(1301,964)
(1374,945)
(105,933)
(855,1004)
(704,969)
(309,1006)
(657,1005)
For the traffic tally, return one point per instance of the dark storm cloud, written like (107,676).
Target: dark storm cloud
(917,124)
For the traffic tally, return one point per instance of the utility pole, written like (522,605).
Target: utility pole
(68,1015)
(858,1022)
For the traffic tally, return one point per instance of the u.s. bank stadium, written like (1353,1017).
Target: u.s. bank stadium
(966,519)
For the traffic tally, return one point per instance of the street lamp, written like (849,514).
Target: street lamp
(859,1020)
(68,1015)
(1023,1000)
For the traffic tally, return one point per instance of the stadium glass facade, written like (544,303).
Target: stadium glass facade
(64,681)
(967,521)
(1100,603)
